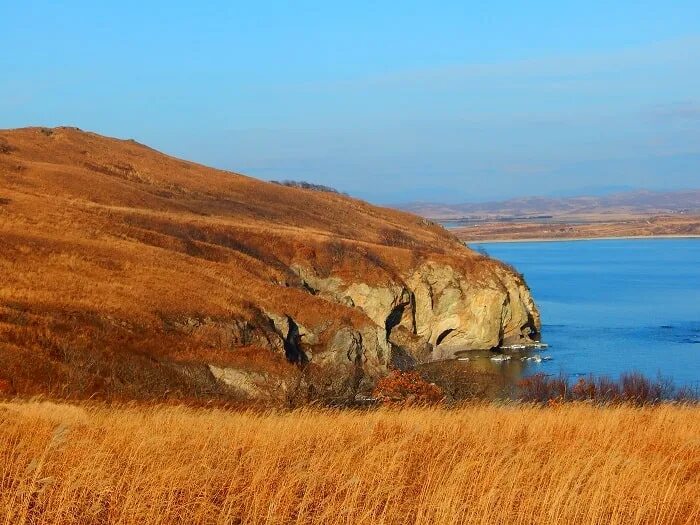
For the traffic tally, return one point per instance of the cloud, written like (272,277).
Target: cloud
(559,68)
(688,110)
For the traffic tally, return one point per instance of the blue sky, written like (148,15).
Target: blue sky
(389,101)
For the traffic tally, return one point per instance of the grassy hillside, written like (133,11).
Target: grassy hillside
(124,271)
(575,463)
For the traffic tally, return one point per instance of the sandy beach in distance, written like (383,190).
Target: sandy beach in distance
(567,239)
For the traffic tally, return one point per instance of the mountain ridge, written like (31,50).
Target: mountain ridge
(628,202)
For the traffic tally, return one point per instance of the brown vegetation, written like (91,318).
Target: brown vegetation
(631,388)
(576,463)
(305,185)
(405,389)
(125,270)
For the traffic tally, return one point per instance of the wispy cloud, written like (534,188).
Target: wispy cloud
(687,110)
(558,67)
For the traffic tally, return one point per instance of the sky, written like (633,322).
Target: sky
(450,101)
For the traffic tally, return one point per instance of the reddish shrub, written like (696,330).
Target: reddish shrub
(407,388)
(584,389)
(630,388)
(541,388)
(6,387)
(637,388)
(608,390)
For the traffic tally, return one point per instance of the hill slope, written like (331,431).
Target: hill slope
(129,273)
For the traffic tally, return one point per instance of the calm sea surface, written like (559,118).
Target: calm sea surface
(611,306)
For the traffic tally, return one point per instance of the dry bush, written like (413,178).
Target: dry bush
(396,237)
(541,388)
(580,463)
(306,186)
(5,148)
(461,383)
(7,388)
(633,388)
(407,388)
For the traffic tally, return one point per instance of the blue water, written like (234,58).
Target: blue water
(613,306)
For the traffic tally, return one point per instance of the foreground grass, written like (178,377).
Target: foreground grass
(574,463)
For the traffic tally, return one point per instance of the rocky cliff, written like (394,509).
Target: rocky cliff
(130,273)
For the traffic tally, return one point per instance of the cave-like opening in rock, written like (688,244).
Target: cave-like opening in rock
(292,344)
(442,336)
(394,318)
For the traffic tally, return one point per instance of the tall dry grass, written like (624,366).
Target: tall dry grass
(575,463)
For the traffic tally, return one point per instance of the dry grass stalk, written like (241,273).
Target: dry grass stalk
(577,463)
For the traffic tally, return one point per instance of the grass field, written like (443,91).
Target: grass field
(485,463)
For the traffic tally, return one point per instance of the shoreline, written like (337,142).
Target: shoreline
(569,239)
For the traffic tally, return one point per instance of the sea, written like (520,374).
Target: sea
(611,306)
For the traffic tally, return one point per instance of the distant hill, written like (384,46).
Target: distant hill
(640,202)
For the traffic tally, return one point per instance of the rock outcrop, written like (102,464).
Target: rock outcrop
(129,273)
(439,309)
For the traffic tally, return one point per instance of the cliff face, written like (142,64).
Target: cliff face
(442,305)
(129,273)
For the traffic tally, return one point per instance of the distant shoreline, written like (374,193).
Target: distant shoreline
(569,239)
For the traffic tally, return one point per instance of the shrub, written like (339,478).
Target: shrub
(5,147)
(306,185)
(407,388)
(396,237)
(632,388)
(542,388)
(6,387)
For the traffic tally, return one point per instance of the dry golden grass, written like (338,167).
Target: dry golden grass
(478,464)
